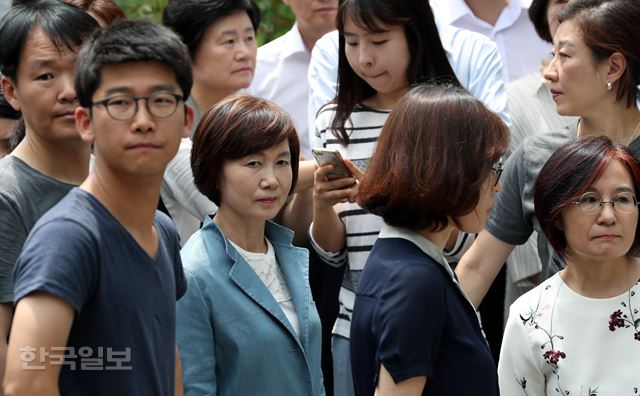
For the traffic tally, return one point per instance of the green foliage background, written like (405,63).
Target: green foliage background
(276,18)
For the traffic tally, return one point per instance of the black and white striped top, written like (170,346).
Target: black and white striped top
(362,228)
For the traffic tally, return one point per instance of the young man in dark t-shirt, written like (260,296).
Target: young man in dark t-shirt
(97,280)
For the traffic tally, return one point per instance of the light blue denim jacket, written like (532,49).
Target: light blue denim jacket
(233,337)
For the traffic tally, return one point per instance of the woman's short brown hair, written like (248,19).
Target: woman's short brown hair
(234,128)
(433,155)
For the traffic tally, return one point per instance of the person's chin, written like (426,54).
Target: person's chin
(564,110)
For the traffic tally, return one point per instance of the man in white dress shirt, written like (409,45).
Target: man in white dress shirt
(281,67)
(505,22)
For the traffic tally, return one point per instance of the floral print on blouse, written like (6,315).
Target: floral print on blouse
(557,342)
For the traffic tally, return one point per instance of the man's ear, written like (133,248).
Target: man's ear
(9,91)
(189,117)
(83,124)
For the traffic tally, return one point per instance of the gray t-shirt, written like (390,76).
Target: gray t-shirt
(513,217)
(25,195)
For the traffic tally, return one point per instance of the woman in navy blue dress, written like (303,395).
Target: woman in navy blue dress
(414,331)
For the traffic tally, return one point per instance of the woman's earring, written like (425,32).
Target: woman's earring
(609,86)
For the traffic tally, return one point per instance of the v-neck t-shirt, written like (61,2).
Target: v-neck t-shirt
(122,338)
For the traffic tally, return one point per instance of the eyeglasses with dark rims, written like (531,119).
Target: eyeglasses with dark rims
(125,107)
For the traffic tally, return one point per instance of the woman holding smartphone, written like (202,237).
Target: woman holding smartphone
(385,47)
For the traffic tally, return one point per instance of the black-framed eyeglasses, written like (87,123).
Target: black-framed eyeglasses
(590,203)
(125,107)
(497,169)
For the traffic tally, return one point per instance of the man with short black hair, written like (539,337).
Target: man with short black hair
(97,280)
(39,41)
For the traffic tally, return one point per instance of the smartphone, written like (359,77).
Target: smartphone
(329,156)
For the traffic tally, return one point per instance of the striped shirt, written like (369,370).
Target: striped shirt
(361,228)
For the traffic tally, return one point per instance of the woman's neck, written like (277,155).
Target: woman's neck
(384,101)
(438,238)
(249,235)
(619,123)
(601,279)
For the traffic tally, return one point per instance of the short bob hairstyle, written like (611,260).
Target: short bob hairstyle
(238,126)
(130,41)
(596,19)
(65,25)
(106,10)
(432,158)
(568,174)
(428,58)
(191,18)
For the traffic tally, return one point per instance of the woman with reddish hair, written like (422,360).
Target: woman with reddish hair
(559,334)
(413,328)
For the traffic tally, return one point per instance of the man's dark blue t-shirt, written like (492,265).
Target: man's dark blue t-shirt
(122,340)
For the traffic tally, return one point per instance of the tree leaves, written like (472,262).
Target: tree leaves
(276,17)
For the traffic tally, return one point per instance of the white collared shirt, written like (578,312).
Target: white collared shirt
(281,76)
(521,49)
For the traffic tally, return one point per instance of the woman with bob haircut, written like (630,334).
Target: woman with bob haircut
(594,75)
(247,324)
(413,327)
(559,334)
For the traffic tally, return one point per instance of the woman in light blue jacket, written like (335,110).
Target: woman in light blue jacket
(247,324)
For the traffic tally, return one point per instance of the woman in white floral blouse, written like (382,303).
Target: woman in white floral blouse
(578,333)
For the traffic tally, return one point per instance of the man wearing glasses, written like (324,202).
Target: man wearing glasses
(97,280)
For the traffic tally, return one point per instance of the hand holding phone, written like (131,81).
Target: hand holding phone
(329,156)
